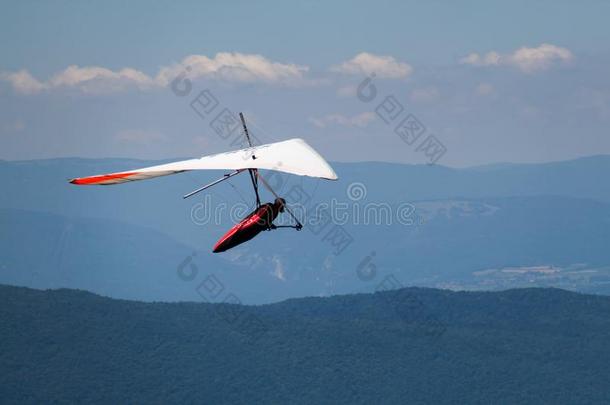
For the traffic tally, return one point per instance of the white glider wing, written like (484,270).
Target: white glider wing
(293,156)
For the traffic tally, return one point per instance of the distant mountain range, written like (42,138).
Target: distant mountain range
(411,345)
(488,227)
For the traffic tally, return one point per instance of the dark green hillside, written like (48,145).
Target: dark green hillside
(413,345)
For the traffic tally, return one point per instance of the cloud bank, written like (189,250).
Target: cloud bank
(382,66)
(238,67)
(225,66)
(528,60)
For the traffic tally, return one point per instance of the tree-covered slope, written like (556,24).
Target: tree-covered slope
(410,345)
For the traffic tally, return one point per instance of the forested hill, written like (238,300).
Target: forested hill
(410,345)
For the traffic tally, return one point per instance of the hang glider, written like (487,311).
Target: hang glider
(293,156)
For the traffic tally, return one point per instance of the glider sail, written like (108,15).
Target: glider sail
(293,156)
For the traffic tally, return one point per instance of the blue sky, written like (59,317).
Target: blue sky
(492,82)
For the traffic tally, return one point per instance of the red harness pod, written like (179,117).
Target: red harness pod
(259,220)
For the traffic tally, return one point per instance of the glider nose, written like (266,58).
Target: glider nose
(218,247)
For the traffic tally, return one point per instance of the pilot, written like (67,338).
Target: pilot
(259,220)
(269,212)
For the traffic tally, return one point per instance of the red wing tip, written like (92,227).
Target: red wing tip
(101,179)
(80,181)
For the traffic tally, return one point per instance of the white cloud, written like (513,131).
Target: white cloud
(424,95)
(359,120)
(489,59)
(23,82)
(89,79)
(233,67)
(526,59)
(93,79)
(541,58)
(366,63)
(236,67)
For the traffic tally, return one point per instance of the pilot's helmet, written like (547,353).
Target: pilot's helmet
(280,202)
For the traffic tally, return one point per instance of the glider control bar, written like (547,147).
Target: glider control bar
(268,187)
(223,178)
